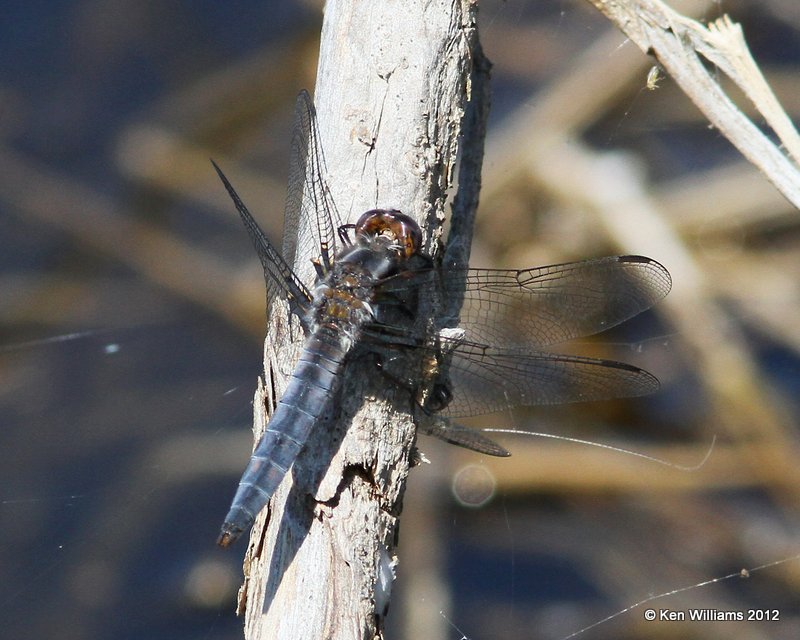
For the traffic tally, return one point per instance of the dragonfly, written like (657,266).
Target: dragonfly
(373,290)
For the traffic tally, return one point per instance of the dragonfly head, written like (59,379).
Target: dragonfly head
(401,230)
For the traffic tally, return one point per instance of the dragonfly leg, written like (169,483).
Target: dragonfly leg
(344,233)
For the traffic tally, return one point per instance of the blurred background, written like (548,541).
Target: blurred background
(132,321)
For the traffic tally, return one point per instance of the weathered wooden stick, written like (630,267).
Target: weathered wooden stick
(391,90)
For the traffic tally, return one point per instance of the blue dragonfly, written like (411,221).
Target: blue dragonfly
(376,291)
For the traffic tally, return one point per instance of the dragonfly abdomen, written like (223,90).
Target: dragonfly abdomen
(308,396)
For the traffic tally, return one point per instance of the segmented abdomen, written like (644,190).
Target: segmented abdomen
(307,397)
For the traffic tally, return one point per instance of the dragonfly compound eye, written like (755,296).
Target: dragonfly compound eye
(401,228)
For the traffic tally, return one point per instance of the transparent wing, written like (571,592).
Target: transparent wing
(552,304)
(542,306)
(485,381)
(509,315)
(310,217)
(459,435)
(311,221)
(281,279)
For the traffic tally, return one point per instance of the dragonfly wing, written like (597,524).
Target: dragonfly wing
(311,221)
(281,279)
(485,381)
(459,435)
(549,305)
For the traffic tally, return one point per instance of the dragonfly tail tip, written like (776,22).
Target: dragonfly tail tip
(227,536)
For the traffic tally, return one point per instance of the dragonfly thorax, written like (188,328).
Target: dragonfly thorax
(384,242)
(343,299)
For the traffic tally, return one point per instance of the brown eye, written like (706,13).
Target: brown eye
(393,224)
